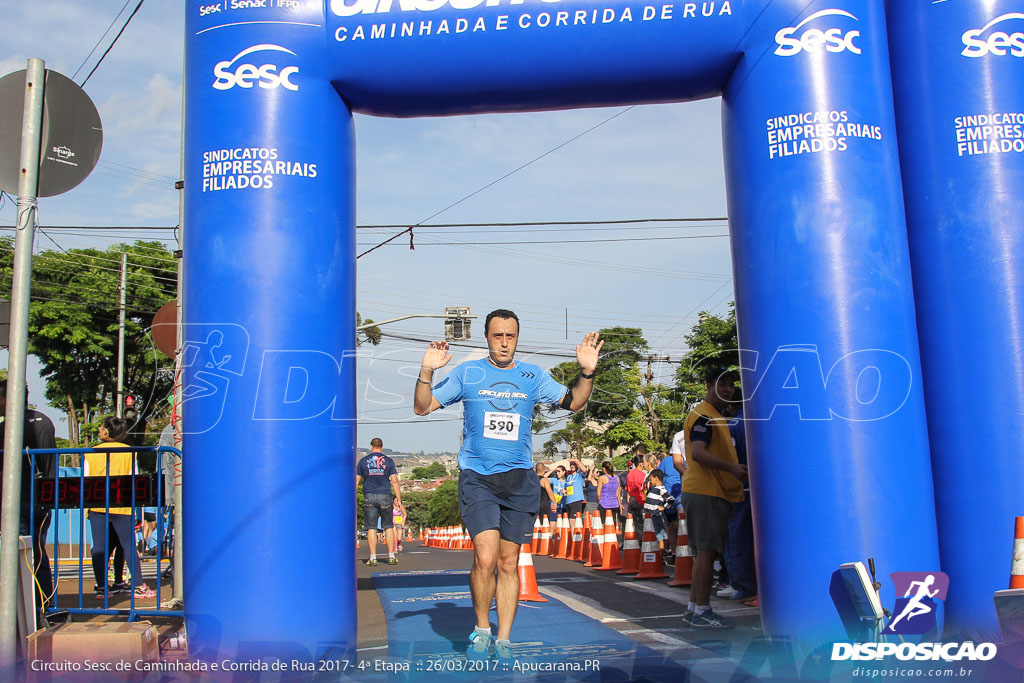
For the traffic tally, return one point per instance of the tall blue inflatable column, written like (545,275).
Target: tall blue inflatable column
(837,435)
(269,378)
(960,110)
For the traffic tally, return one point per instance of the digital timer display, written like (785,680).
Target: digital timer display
(69,492)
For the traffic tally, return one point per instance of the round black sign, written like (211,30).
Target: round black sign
(71,140)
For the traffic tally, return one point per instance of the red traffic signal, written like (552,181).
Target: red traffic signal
(130,411)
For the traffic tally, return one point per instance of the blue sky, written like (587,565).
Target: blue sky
(658,161)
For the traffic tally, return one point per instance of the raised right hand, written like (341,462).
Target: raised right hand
(436,356)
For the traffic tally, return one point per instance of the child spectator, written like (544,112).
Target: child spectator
(658,498)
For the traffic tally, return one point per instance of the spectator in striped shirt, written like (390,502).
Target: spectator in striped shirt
(657,500)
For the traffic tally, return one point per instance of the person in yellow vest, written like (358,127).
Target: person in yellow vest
(711,484)
(119,523)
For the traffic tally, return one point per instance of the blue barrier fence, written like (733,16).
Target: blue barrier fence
(71,497)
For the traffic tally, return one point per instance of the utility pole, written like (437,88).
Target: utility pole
(178,561)
(120,335)
(21,292)
(649,398)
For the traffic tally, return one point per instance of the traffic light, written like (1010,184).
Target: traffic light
(457,324)
(130,410)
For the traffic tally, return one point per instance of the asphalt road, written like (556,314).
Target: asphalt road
(646,611)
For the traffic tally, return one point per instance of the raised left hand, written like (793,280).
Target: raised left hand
(587,352)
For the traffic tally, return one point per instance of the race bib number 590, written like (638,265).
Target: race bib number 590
(504,426)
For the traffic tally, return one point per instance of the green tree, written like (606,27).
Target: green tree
(371,335)
(713,342)
(417,509)
(73,325)
(443,508)
(434,470)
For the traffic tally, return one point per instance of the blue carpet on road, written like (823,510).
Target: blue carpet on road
(430,614)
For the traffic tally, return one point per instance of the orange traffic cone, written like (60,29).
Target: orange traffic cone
(684,554)
(584,554)
(563,537)
(1017,568)
(651,566)
(527,577)
(421,535)
(630,549)
(535,539)
(578,537)
(544,546)
(556,532)
(596,539)
(610,548)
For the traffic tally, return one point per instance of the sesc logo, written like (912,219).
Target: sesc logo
(245,75)
(997,43)
(815,40)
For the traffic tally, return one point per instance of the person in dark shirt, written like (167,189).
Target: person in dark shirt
(34,521)
(378,474)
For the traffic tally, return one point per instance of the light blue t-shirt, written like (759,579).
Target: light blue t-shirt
(498,412)
(573,487)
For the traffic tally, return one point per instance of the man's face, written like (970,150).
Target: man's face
(502,337)
(724,387)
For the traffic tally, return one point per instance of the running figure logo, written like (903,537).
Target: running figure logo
(211,357)
(914,613)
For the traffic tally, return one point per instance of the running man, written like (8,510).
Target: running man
(498,490)
(914,606)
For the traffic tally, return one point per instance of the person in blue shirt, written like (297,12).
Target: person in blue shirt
(574,499)
(557,481)
(379,476)
(499,492)
(673,484)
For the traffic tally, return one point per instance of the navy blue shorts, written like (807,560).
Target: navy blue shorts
(506,501)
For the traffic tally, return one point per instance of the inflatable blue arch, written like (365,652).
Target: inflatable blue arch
(875,166)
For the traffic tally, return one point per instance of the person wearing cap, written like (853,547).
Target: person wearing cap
(711,484)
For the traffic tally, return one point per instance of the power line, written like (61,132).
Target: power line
(112,22)
(623,221)
(114,42)
(591,241)
(495,182)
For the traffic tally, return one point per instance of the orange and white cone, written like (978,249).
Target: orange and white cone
(528,577)
(596,539)
(535,540)
(563,538)
(544,548)
(577,539)
(556,532)
(610,548)
(684,554)
(630,548)
(650,565)
(584,554)
(1017,568)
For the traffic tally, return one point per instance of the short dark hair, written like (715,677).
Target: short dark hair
(656,472)
(117,427)
(641,448)
(502,313)
(375,442)
(712,375)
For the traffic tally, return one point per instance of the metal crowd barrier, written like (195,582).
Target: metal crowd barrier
(133,491)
